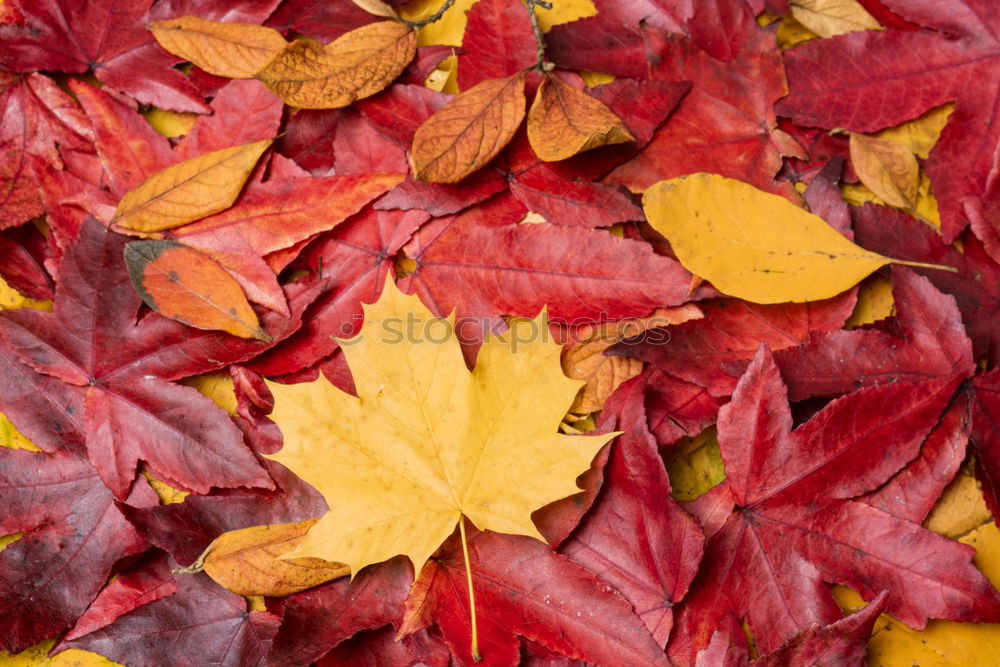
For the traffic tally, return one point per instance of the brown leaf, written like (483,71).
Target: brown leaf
(887,168)
(469,131)
(357,64)
(186,285)
(248,561)
(188,190)
(564,121)
(232,50)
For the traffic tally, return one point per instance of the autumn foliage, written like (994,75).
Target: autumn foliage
(530,332)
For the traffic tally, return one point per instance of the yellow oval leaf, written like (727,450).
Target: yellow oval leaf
(232,50)
(564,121)
(248,561)
(752,244)
(827,18)
(189,190)
(377,7)
(886,168)
(469,131)
(186,285)
(357,64)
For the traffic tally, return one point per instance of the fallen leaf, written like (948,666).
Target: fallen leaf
(496,42)
(793,526)
(921,134)
(469,131)
(451,458)
(232,50)
(827,18)
(887,168)
(356,65)
(186,285)
(564,121)
(248,561)
(376,7)
(189,190)
(752,244)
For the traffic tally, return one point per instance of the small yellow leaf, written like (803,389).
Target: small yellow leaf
(887,168)
(695,465)
(38,656)
(792,33)
(752,244)
(170,123)
(564,121)
(564,11)
(425,441)
(10,298)
(357,64)
(469,131)
(444,77)
(167,494)
(12,438)
(920,134)
(232,50)
(188,190)
(248,561)
(446,31)
(874,303)
(828,18)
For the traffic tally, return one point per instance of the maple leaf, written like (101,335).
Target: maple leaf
(794,525)
(457,459)
(108,37)
(73,536)
(874,83)
(104,378)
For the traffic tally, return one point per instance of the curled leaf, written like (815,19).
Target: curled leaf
(248,561)
(186,285)
(469,131)
(188,190)
(232,50)
(357,64)
(828,18)
(752,244)
(887,168)
(564,121)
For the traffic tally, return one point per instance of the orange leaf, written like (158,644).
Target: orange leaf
(188,190)
(233,50)
(248,562)
(564,121)
(355,65)
(185,285)
(469,131)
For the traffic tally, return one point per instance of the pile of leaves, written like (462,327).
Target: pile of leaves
(196,196)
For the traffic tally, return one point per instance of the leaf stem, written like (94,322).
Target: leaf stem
(540,64)
(924,265)
(433,18)
(472,596)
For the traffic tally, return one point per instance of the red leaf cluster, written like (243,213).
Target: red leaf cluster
(836,443)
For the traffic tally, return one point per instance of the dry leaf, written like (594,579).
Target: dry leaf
(469,131)
(376,7)
(920,134)
(357,64)
(887,168)
(186,285)
(564,121)
(426,441)
(233,50)
(188,190)
(828,18)
(248,561)
(752,244)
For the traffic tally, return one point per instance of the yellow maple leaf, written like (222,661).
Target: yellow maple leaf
(426,441)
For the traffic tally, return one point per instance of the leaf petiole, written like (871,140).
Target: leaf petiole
(472,596)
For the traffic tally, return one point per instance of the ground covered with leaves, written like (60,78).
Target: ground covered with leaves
(718,383)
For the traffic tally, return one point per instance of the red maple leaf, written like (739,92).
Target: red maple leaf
(794,526)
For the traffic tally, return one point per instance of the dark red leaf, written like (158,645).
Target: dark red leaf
(243,111)
(24,251)
(201,619)
(636,537)
(380,648)
(319,19)
(986,435)
(317,620)
(74,534)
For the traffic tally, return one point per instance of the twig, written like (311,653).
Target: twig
(540,64)
(433,18)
